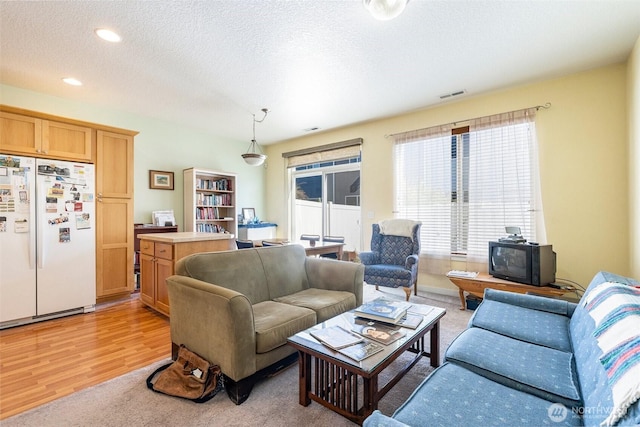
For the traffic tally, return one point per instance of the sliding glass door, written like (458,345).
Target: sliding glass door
(327,202)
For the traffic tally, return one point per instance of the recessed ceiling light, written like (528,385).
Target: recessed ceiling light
(71,81)
(108,35)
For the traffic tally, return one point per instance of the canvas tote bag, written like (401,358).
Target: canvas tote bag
(189,376)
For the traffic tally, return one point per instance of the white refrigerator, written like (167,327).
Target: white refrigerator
(47,239)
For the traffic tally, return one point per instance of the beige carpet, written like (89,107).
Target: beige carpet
(126,401)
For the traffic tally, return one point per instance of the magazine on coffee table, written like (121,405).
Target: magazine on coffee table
(336,337)
(361,350)
(384,334)
(411,320)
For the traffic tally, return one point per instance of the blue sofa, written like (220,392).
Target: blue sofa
(527,360)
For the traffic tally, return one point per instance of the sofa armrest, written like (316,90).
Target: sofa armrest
(378,419)
(215,322)
(368,258)
(534,302)
(323,273)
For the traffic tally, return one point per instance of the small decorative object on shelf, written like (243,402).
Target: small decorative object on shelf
(210,201)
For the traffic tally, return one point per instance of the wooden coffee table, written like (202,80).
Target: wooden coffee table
(351,388)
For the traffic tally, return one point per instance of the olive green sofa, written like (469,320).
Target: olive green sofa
(237,308)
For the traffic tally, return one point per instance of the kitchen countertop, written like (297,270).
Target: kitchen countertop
(184,236)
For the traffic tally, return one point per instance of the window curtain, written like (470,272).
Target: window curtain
(422,182)
(504,185)
(493,171)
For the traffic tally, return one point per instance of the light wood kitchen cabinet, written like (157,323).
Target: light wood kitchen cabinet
(37,137)
(159,253)
(35,134)
(156,264)
(114,247)
(114,207)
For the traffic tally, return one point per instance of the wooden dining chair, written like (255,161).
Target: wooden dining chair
(244,244)
(332,239)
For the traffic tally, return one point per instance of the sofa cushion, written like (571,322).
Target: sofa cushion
(455,396)
(229,269)
(534,326)
(284,269)
(545,372)
(275,322)
(325,303)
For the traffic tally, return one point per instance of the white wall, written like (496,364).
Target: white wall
(160,145)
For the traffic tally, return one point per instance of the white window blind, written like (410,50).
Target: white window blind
(466,187)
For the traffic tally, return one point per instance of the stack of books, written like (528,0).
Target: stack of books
(384,310)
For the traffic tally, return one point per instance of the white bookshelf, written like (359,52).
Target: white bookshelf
(210,201)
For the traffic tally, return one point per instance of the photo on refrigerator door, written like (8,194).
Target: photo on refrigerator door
(83,221)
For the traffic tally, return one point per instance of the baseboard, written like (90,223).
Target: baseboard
(439,291)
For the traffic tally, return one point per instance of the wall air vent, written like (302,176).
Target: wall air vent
(452,94)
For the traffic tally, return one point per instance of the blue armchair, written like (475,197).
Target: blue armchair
(394,255)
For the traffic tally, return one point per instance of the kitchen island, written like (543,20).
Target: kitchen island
(159,253)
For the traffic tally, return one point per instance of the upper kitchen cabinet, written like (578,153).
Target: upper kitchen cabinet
(37,137)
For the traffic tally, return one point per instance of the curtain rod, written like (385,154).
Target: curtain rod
(546,106)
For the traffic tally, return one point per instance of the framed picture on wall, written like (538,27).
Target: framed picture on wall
(160,180)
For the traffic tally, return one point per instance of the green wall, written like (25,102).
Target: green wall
(160,145)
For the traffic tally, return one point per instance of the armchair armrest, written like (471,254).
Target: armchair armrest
(215,322)
(411,261)
(534,302)
(323,273)
(369,258)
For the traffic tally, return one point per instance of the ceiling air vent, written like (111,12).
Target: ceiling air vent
(452,94)
(311,129)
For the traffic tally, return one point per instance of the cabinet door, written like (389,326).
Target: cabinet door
(114,246)
(20,134)
(147,279)
(66,141)
(164,269)
(114,196)
(114,169)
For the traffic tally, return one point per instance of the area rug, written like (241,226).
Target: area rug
(126,401)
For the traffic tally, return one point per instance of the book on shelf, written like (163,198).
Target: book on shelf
(336,337)
(379,332)
(361,350)
(383,310)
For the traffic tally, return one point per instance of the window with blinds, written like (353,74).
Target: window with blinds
(466,184)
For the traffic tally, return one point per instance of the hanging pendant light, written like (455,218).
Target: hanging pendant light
(385,10)
(251,157)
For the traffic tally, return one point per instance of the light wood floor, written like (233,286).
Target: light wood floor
(44,361)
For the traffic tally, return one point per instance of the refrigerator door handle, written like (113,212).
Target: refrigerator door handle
(32,244)
(39,245)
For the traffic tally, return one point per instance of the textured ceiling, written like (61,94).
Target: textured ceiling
(322,63)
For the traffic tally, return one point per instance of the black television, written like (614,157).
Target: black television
(523,263)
